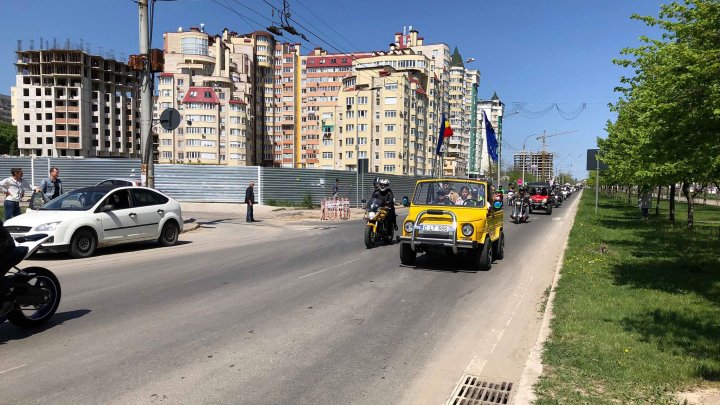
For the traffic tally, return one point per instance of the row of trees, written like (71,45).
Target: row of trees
(8,139)
(667,130)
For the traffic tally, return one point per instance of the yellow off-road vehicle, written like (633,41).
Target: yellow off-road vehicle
(454,215)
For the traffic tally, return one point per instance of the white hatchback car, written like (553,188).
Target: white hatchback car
(87,218)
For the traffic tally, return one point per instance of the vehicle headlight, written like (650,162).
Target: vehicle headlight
(544,200)
(47,227)
(371,214)
(408,226)
(467,229)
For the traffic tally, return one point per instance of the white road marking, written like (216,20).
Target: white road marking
(11,369)
(557,219)
(329,268)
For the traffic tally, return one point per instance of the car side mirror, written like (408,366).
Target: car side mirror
(363,200)
(405,201)
(497,205)
(107,208)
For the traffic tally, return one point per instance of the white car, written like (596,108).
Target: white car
(87,218)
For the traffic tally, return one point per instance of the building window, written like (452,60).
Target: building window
(194,46)
(389,168)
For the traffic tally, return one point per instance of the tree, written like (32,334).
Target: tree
(669,111)
(8,139)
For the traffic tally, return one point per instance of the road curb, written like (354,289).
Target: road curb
(534,366)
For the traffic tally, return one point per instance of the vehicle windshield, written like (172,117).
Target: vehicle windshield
(77,200)
(542,191)
(458,193)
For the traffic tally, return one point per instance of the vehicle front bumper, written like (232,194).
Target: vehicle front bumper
(425,242)
(48,247)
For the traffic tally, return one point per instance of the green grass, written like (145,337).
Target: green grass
(640,321)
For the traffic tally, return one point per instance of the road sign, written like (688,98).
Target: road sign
(170,119)
(592,161)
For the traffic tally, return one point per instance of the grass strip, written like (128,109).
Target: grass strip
(637,308)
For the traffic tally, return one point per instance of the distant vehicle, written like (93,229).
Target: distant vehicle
(119,182)
(540,197)
(87,218)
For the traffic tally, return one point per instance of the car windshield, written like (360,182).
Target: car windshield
(77,200)
(457,193)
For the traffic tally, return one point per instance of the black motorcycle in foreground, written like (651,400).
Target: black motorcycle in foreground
(30,296)
(520,206)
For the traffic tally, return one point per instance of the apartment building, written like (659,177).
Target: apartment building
(288,149)
(67,102)
(209,80)
(495,110)
(321,81)
(462,94)
(539,164)
(381,115)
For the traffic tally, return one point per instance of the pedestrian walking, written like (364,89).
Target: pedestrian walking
(52,186)
(250,200)
(336,189)
(645,202)
(13,188)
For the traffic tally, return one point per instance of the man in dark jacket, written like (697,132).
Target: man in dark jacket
(250,200)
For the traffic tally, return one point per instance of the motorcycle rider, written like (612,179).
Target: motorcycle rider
(384,193)
(523,196)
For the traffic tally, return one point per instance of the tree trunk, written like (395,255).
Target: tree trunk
(672,202)
(629,192)
(657,204)
(689,197)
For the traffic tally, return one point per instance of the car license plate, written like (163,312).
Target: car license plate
(435,228)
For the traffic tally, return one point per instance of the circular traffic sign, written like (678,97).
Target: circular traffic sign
(170,119)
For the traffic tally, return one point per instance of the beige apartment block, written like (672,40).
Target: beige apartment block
(539,164)
(67,102)
(321,81)
(225,89)
(380,115)
(288,148)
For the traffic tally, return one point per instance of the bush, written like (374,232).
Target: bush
(307,201)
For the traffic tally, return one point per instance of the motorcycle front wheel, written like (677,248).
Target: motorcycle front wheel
(370,237)
(26,316)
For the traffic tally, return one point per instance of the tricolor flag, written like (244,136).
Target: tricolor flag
(445,132)
(491,140)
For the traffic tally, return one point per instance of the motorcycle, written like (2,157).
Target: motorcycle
(29,296)
(378,224)
(520,210)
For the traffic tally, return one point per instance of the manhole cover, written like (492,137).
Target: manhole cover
(474,390)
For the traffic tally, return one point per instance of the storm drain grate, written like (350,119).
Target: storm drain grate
(474,390)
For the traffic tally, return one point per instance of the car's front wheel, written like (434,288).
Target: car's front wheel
(169,234)
(83,244)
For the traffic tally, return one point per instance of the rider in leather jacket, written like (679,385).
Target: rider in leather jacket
(384,193)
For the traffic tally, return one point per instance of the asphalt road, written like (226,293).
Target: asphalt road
(301,313)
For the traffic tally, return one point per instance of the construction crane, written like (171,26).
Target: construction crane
(544,137)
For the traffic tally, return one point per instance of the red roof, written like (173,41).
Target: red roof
(420,90)
(166,75)
(237,102)
(201,95)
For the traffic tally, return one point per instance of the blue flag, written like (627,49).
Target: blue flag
(491,139)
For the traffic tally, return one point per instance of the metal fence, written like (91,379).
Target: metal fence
(206,183)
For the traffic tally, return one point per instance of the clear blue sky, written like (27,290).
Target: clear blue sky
(530,51)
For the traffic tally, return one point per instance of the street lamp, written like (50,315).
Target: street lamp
(357,138)
(523,155)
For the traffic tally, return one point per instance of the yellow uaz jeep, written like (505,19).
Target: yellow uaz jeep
(456,215)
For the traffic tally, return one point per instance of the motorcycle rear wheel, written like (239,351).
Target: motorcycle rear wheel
(28,316)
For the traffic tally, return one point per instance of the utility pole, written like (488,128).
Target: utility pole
(146,97)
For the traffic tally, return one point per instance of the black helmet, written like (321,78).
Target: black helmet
(376,181)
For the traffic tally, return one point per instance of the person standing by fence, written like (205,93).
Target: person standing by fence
(250,200)
(13,187)
(52,186)
(336,189)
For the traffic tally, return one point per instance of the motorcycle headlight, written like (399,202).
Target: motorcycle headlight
(371,215)
(467,229)
(408,226)
(544,200)
(51,226)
